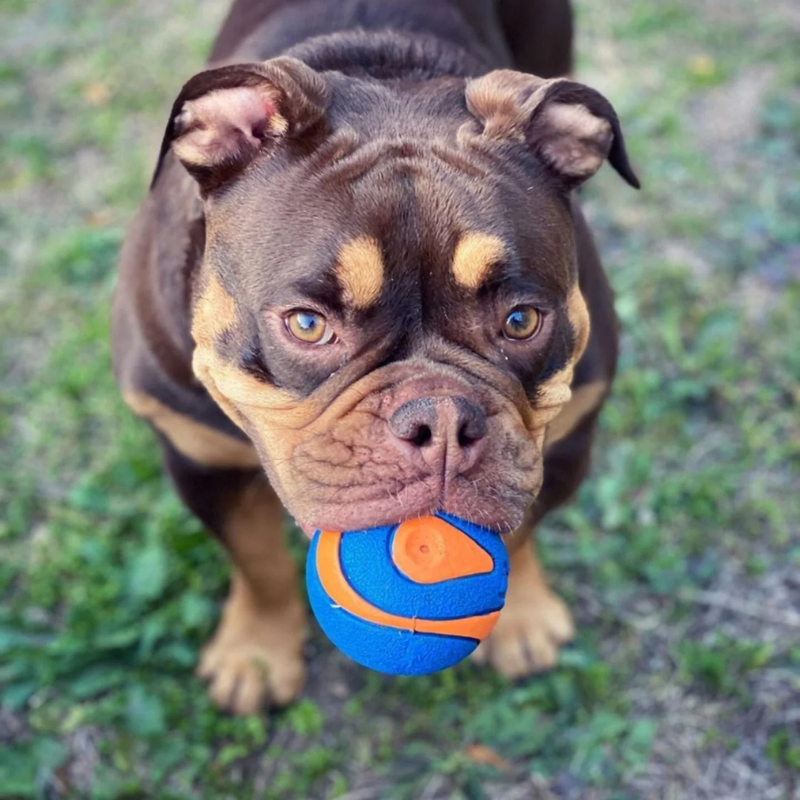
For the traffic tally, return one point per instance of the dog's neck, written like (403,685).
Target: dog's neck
(368,38)
(391,55)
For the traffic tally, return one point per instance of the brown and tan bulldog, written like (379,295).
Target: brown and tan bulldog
(359,289)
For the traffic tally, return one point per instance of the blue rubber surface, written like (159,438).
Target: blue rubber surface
(367,566)
(383,649)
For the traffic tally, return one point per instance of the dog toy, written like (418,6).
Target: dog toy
(408,599)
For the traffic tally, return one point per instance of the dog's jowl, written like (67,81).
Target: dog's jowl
(359,289)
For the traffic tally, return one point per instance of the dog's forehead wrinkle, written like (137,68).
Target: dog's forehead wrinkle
(382,101)
(394,155)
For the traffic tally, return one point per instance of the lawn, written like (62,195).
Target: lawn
(680,557)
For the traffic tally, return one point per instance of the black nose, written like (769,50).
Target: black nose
(426,419)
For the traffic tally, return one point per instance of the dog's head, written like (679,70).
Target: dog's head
(388,303)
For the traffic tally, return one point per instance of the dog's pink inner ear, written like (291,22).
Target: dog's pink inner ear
(571,139)
(227,126)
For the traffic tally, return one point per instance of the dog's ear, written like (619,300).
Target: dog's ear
(224,117)
(570,127)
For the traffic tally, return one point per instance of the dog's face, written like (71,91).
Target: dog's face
(388,303)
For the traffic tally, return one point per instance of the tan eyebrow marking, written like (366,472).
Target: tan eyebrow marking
(361,271)
(475,255)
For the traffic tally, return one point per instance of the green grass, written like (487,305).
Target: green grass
(108,588)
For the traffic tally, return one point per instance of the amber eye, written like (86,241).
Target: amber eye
(309,327)
(522,323)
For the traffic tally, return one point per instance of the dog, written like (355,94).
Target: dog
(361,289)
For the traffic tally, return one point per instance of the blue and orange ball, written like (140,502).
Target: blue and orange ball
(408,599)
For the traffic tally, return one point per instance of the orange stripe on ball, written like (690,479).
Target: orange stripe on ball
(429,550)
(335,584)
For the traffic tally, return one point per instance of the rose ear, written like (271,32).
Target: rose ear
(571,127)
(224,117)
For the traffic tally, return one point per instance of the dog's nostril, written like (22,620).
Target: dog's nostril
(415,421)
(471,422)
(467,436)
(422,436)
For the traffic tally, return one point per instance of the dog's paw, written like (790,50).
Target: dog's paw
(531,629)
(254,661)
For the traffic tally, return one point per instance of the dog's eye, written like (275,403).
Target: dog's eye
(522,323)
(309,327)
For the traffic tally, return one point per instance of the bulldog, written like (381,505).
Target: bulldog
(360,289)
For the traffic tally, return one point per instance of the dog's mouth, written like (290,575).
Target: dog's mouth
(496,506)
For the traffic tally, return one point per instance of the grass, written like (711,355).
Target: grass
(680,556)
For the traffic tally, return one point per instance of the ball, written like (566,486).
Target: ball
(408,599)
